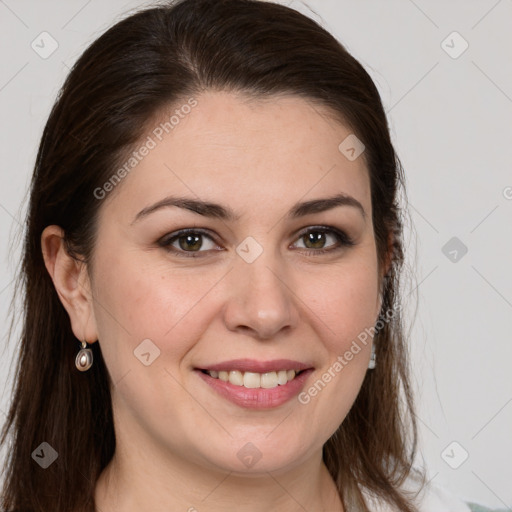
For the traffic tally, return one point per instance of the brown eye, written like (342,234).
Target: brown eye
(316,239)
(187,242)
(192,242)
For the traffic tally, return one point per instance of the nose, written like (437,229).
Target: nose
(261,300)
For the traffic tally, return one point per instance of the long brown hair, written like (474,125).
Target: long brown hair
(145,63)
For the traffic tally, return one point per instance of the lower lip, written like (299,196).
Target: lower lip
(257,398)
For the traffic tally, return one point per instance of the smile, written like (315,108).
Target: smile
(252,380)
(248,389)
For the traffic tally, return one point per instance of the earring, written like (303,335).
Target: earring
(83,360)
(373,359)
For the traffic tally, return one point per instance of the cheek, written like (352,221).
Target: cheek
(138,301)
(345,301)
(343,311)
(166,305)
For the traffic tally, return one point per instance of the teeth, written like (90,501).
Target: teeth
(282,377)
(236,378)
(253,380)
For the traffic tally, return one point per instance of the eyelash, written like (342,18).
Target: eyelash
(342,238)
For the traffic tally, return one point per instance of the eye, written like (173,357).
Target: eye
(316,237)
(189,241)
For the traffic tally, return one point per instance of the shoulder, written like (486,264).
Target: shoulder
(436,498)
(474,507)
(429,498)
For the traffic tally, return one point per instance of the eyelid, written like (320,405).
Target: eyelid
(339,233)
(170,238)
(344,240)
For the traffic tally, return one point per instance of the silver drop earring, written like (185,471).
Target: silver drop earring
(373,359)
(83,360)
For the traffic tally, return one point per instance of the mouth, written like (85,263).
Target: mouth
(256,384)
(254,380)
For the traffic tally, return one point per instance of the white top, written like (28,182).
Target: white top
(432,498)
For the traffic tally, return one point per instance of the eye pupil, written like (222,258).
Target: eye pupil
(316,237)
(195,239)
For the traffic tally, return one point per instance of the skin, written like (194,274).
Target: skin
(177,440)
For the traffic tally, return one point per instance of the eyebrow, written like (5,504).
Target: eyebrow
(217,211)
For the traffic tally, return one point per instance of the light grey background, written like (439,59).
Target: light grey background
(451,123)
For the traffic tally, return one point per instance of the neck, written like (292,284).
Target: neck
(140,480)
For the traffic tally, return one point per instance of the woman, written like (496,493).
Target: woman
(211,268)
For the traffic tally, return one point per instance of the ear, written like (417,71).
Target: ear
(384,271)
(71,282)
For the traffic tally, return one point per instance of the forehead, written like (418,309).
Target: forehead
(245,152)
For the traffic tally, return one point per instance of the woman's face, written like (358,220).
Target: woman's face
(258,279)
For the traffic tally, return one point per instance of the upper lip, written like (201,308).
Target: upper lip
(252,365)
